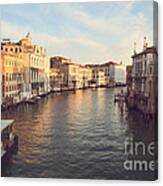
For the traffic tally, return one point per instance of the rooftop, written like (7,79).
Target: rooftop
(148,50)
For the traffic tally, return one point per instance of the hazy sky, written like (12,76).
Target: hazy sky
(86,32)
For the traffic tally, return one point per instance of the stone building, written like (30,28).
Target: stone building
(109,73)
(59,65)
(85,76)
(12,72)
(119,74)
(99,78)
(74,75)
(38,66)
(25,69)
(129,77)
(144,80)
(56,79)
(109,70)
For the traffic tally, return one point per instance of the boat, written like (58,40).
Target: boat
(42,95)
(93,86)
(37,97)
(110,86)
(31,101)
(9,141)
(56,89)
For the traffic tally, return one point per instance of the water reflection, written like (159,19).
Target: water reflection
(76,136)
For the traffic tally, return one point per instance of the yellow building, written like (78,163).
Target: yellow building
(85,76)
(25,70)
(38,69)
(56,79)
(74,75)
(12,72)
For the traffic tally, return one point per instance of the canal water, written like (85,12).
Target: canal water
(77,135)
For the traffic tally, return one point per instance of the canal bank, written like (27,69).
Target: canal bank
(77,135)
(32,100)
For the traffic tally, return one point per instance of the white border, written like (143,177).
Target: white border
(62,182)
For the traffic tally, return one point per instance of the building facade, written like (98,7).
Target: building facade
(56,79)
(13,75)
(25,70)
(129,77)
(74,75)
(108,74)
(85,76)
(119,74)
(143,93)
(99,79)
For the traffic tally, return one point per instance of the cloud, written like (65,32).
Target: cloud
(119,24)
(75,48)
(92,32)
(108,23)
(17,32)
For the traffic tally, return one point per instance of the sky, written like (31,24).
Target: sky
(92,32)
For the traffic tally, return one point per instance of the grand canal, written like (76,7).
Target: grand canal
(77,135)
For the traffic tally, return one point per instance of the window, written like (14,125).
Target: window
(145,66)
(74,70)
(11,49)
(3,78)
(34,61)
(13,77)
(149,56)
(150,70)
(6,76)
(6,49)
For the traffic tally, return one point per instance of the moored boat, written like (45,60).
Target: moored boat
(37,97)
(9,141)
(31,101)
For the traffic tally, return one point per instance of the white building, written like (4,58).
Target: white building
(101,78)
(120,73)
(144,79)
